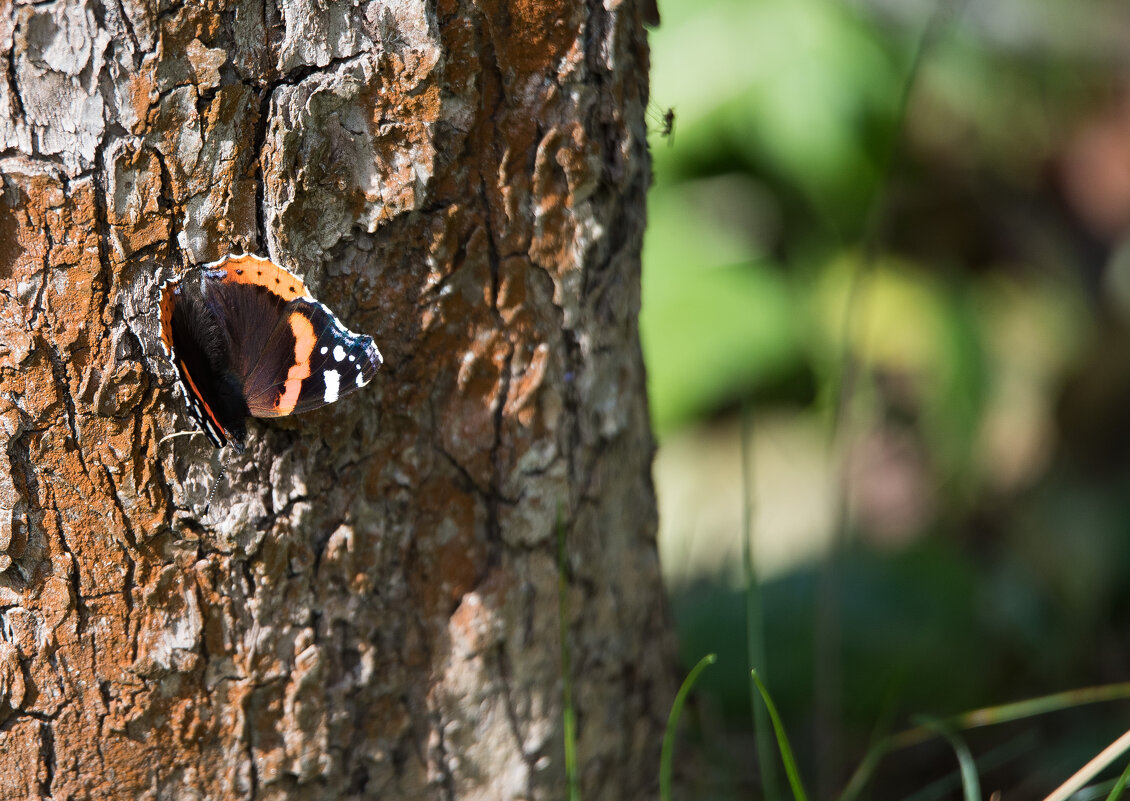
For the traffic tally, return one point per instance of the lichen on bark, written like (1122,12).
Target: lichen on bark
(370,607)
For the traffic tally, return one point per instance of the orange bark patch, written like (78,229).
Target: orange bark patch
(451,559)
(536,35)
(21,769)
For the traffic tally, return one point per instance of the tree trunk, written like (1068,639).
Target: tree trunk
(370,608)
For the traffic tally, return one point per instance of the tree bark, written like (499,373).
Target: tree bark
(370,608)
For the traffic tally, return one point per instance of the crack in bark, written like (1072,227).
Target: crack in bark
(259,138)
(81,612)
(127,552)
(165,197)
(99,176)
(128,25)
(62,380)
(26,483)
(249,738)
(512,718)
(37,304)
(45,260)
(36,157)
(47,754)
(258,144)
(168,13)
(434,292)
(16,99)
(493,526)
(464,473)
(127,596)
(131,535)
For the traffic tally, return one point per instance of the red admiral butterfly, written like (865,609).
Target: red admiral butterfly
(249,341)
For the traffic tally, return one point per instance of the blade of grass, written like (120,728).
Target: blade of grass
(569,719)
(782,741)
(1111,789)
(876,748)
(1006,713)
(1120,785)
(970,784)
(1010,751)
(866,768)
(1091,769)
(826,691)
(1092,792)
(668,750)
(755,622)
(987,716)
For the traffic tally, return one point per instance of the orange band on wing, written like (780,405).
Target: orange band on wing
(304,341)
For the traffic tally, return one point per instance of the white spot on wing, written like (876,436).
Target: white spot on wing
(332,379)
(339,353)
(324,350)
(360,379)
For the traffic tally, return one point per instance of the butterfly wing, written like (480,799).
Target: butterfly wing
(251,326)
(196,345)
(311,359)
(247,295)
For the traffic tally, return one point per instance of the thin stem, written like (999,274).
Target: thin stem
(755,620)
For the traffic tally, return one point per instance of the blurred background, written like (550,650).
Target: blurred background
(886,317)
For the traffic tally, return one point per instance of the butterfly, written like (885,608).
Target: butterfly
(247,340)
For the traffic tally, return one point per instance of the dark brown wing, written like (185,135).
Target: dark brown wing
(197,345)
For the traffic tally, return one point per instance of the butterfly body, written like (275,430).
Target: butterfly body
(248,340)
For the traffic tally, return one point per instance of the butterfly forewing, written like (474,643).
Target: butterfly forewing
(326,361)
(247,314)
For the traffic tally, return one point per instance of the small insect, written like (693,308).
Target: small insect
(666,121)
(247,340)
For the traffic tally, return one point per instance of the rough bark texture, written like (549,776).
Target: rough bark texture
(370,609)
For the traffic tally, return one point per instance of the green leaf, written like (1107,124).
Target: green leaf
(970,784)
(782,742)
(673,724)
(1120,785)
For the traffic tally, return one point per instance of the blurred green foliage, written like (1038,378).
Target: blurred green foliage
(770,187)
(930,193)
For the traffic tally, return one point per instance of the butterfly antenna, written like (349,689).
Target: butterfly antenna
(216,481)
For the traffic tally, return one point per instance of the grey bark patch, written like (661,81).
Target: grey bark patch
(58,52)
(327,155)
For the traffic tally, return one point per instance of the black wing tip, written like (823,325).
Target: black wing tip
(373,353)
